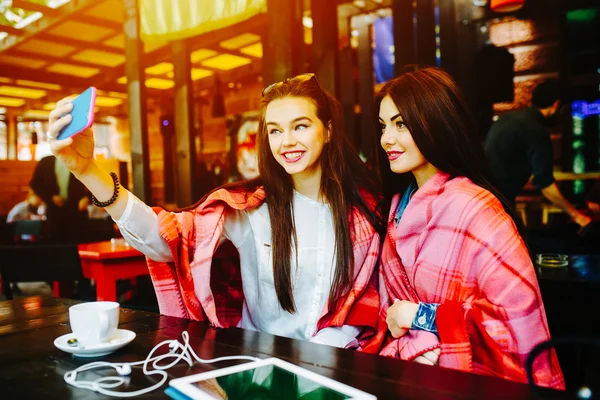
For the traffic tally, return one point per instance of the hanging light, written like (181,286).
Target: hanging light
(506,5)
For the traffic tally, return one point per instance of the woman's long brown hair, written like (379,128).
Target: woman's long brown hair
(439,121)
(345,182)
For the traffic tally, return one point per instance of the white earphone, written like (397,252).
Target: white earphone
(105,384)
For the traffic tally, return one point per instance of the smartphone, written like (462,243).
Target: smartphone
(82,114)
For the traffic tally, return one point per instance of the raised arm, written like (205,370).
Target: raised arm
(77,153)
(553,194)
(539,152)
(137,222)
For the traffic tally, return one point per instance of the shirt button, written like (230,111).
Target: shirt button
(422,320)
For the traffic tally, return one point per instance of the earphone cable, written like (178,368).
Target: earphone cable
(103,385)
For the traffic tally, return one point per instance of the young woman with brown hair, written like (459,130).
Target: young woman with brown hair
(305,231)
(458,286)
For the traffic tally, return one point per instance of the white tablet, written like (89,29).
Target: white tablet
(270,378)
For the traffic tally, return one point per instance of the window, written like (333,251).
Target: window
(3,141)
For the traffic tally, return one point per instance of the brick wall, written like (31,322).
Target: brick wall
(534,43)
(14,182)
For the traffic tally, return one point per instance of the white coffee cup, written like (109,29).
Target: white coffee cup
(94,323)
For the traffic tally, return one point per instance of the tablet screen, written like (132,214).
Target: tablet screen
(267,382)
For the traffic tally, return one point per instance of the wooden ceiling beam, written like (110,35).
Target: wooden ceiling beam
(14,83)
(56,59)
(11,30)
(235,52)
(10,96)
(208,39)
(36,7)
(205,40)
(82,44)
(67,81)
(67,11)
(157,56)
(225,77)
(101,22)
(214,70)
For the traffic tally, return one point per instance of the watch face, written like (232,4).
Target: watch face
(246,155)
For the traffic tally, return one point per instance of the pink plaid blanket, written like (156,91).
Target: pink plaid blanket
(456,246)
(204,282)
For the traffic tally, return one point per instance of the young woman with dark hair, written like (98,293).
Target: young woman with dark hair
(305,231)
(458,286)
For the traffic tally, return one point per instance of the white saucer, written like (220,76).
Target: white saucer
(121,339)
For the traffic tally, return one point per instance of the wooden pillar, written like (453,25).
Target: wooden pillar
(283,41)
(449,39)
(136,94)
(325,43)
(365,87)
(11,136)
(467,45)
(470,36)
(404,34)
(185,154)
(426,32)
(345,88)
(167,129)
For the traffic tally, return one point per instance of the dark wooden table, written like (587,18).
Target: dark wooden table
(32,368)
(582,269)
(569,293)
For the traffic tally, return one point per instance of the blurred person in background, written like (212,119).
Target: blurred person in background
(32,208)
(518,146)
(65,197)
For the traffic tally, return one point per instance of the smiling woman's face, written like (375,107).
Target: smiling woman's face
(296,135)
(397,141)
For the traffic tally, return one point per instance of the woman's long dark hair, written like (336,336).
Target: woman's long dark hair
(345,182)
(438,119)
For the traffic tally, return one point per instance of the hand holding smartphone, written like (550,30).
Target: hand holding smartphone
(82,114)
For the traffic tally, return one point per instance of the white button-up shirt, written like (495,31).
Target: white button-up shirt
(250,233)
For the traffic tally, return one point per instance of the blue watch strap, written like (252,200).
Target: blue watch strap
(425,318)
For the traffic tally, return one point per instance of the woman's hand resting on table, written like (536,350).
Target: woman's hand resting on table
(432,357)
(400,316)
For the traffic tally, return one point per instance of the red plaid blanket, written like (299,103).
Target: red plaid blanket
(204,282)
(456,246)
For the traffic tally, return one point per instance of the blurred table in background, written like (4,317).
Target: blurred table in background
(108,261)
(571,296)
(572,176)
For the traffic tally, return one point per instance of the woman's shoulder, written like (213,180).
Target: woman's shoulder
(460,193)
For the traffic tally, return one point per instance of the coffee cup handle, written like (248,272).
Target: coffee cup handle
(104,325)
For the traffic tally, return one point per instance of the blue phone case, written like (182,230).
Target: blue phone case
(82,113)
